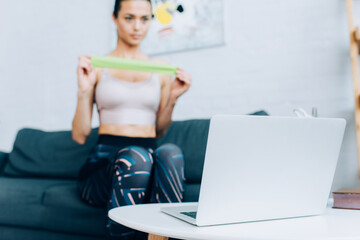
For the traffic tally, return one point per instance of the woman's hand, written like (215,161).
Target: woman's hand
(86,75)
(181,83)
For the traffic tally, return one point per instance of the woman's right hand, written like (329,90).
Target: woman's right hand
(86,75)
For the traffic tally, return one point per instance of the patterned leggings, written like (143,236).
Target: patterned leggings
(137,175)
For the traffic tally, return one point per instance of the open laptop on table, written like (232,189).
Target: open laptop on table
(263,168)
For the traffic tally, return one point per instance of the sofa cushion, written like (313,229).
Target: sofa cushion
(55,205)
(73,215)
(47,154)
(48,204)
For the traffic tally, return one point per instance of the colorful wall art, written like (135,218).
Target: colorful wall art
(184,25)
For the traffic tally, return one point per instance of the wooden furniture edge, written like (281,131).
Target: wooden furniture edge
(156,237)
(354,56)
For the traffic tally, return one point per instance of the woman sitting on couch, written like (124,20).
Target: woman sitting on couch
(126,167)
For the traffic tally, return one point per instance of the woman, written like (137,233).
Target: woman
(126,167)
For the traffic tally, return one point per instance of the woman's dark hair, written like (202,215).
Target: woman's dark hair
(118,6)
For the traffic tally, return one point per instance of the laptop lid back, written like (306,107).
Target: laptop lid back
(262,168)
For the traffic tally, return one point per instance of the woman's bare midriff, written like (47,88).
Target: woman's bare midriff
(128,130)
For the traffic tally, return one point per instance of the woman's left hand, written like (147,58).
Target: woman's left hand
(181,83)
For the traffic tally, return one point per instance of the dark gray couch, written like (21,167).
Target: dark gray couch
(38,197)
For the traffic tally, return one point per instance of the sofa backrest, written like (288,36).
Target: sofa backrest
(38,153)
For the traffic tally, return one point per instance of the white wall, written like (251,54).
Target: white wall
(279,55)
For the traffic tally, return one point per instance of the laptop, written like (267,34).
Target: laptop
(264,168)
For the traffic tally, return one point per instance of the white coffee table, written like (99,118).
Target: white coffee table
(333,224)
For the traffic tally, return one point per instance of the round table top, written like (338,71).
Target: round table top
(332,224)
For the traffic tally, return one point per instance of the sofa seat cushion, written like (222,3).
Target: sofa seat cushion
(48,204)
(54,205)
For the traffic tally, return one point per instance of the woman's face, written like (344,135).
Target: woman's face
(133,21)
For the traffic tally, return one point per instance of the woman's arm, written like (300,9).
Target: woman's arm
(170,92)
(81,125)
(166,108)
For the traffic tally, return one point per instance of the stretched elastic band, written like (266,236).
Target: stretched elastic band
(130,64)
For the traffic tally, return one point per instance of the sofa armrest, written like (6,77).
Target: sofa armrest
(3,160)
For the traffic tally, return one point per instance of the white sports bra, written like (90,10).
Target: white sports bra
(127,103)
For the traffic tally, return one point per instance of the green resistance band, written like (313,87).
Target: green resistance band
(131,64)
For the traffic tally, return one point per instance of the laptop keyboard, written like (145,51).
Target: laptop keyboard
(189,214)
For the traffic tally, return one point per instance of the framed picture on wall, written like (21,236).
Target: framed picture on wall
(180,25)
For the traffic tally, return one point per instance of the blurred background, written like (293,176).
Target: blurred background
(277,55)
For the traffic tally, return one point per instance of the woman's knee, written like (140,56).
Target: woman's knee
(134,157)
(169,157)
(169,151)
(168,174)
